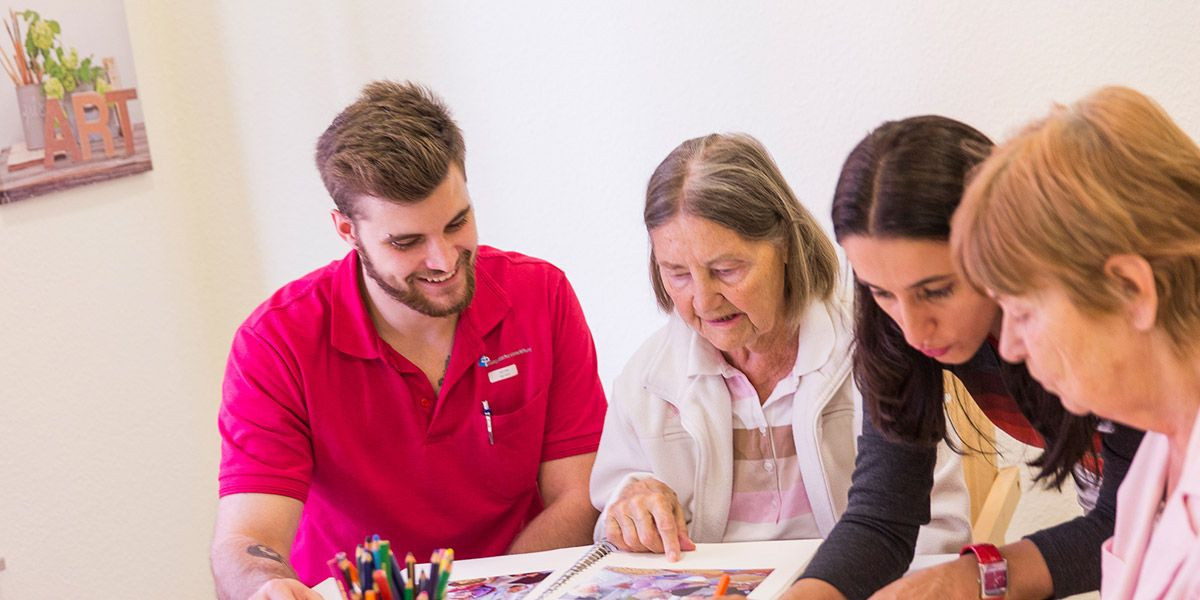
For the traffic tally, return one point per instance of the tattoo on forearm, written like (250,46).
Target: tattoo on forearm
(262,551)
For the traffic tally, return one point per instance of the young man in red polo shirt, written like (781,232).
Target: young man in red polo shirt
(425,388)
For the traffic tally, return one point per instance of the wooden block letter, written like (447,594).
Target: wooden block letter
(58,134)
(82,100)
(119,98)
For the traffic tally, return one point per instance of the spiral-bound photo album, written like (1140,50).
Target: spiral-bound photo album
(758,570)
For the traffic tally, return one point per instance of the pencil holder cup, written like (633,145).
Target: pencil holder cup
(31,103)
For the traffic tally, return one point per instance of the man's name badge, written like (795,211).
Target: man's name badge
(502,374)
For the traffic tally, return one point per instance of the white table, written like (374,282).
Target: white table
(328,589)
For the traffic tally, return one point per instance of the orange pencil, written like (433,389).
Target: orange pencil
(349,567)
(722,585)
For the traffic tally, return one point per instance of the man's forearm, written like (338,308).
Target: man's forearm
(241,565)
(567,522)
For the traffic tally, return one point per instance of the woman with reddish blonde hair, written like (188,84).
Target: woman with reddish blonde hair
(1085,228)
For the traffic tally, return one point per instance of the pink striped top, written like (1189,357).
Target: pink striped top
(769,500)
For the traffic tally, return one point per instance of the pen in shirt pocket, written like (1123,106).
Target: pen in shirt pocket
(487,419)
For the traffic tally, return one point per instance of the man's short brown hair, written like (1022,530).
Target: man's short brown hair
(395,142)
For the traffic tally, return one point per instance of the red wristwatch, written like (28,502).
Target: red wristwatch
(993,569)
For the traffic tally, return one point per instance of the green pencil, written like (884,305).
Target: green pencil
(385,558)
(447,564)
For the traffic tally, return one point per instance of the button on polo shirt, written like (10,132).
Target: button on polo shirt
(319,408)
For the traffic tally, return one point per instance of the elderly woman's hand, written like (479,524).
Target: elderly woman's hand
(647,517)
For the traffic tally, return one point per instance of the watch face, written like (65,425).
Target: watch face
(994,578)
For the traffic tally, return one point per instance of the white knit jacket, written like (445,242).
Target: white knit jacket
(669,418)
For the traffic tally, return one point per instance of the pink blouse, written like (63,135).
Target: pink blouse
(1155,548)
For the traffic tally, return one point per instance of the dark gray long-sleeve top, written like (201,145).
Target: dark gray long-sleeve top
(873,543)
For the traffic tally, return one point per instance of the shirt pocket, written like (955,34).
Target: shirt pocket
(657,423)
(510,454)
(508,387)
(670,435)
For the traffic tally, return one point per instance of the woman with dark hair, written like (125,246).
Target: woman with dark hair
(915,317)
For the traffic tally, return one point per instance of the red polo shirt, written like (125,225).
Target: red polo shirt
(317,407)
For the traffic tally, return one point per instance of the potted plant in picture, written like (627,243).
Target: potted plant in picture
(65,74)
(46,69)
(60,70)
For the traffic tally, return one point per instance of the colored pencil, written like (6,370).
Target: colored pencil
(722,585)
(447,564)
(366,568)
(351,570)
(396,573)
(384,556)
(381,584)
(410,563)
(375,572)
(339,577)
(435,561)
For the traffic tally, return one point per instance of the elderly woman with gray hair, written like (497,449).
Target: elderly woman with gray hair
(737,420)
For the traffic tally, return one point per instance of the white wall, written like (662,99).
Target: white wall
(95,28)
(120,299)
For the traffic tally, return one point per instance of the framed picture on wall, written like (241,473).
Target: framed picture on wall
(73,117)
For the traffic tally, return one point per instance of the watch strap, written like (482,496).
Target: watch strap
(993,570)
(984,553)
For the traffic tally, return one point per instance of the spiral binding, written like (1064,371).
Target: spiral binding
(599,550)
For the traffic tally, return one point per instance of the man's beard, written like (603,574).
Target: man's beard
(412,296)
